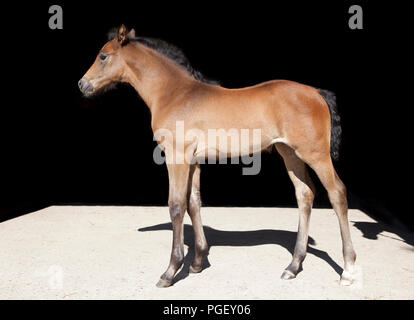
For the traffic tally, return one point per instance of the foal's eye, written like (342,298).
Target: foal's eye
(102,57)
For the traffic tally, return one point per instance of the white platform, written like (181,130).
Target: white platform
(94,252)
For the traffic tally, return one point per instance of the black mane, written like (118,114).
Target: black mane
(170,51)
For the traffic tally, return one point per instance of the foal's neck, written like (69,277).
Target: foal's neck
(155,77)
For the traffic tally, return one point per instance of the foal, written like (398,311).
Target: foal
(300,121)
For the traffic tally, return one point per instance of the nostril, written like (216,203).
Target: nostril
(85,86)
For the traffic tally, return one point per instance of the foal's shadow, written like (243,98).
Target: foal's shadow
(373,230)
(215,237)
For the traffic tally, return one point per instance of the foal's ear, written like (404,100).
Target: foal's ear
(131,34)
(122,35)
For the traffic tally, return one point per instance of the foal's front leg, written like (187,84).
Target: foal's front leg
(177,201)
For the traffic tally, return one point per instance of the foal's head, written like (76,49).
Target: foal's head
(108,66)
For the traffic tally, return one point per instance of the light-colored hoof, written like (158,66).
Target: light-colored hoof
(346,279)
(164,283)
(287,275)
(195,270)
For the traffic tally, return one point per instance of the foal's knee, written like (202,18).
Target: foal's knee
(177,209)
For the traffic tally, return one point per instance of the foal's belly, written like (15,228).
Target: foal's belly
(221,144)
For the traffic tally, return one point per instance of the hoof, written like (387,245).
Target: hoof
(164,283)
(287,275)
(195,270)
(346,279)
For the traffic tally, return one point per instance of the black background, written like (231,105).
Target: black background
(260,309)
(58,147)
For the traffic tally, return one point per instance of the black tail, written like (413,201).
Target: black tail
(336,130)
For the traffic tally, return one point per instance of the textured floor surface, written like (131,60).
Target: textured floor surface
(108,252)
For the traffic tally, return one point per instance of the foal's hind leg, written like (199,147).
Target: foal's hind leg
(322,165)
(177,201)
(193,208)
(304,190)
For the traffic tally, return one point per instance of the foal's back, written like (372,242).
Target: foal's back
(285,111)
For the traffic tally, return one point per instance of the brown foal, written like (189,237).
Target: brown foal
(293,117)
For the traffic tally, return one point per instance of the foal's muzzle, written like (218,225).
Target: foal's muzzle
(85,86)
